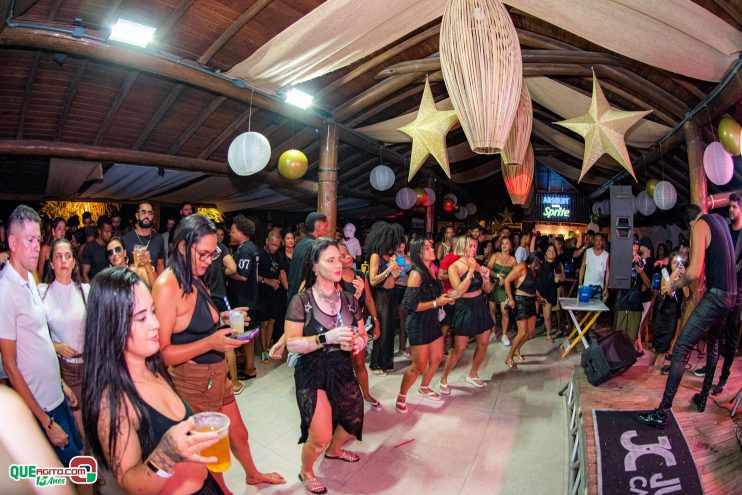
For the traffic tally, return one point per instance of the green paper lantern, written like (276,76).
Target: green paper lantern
(292,164)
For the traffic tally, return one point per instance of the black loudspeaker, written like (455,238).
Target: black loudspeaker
(607,357)
(622,237)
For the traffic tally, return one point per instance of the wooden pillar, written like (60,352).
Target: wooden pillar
(327,194)
(430,210)
(698,194)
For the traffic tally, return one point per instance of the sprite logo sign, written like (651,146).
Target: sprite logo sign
(83,470)
(556,207)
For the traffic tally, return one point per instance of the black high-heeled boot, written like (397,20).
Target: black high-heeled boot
(700,401)
(719,388)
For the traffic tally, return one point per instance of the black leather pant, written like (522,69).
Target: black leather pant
(730,340)
(707,319)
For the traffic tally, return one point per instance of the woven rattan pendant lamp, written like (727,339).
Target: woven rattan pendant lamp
(519,178)
(482,69)
(520,133)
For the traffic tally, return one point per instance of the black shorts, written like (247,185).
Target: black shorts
(525,307)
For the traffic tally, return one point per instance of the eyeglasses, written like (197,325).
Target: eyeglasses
(213,255)
(116,250)
(147,212)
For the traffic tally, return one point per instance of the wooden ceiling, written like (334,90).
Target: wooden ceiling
(76,97)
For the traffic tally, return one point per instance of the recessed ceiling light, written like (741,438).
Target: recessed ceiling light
(299,98)
(132,33)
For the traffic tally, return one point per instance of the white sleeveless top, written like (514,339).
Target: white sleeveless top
(66,314)
(595,267)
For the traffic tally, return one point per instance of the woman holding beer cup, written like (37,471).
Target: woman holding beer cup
(192,340)
(116,254)
(550,276)
(323,324)
(136,424)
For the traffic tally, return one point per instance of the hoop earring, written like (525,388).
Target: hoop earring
(126,260)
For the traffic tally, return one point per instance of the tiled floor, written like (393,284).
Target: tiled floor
(507,438)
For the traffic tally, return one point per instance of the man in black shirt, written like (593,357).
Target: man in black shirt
(94,257)
(269,273)
(731,328)
(145,235)
(713,252)
(242,288)
(316,225)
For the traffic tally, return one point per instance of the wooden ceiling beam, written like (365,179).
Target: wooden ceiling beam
(383,105)
(350,173)
(27,92)
(4,11)
(69,97)
(170,21)
(23,6)
(159,114)
(196,124)
(380,59)
(226,133)
(55,9)
(131,78)
(111,13)
(232,30)
(730,9)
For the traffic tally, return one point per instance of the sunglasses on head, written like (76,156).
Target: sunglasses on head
(116,250)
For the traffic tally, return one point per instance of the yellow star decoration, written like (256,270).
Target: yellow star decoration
(603,129)
(506,216)
(428,132)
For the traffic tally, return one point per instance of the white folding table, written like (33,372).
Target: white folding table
(592,310)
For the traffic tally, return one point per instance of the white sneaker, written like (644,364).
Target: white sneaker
(505,340)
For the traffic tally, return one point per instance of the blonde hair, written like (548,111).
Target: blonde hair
(459,245)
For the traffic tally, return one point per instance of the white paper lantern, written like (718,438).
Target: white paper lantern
(718,164)
(605,207)
(593,226)
(382,177)
(430,197)
(665,195)
(406,198)
(461,213)
(249,153)
(596,208)
(471,208)
(645,204)
(453,198)
(634,207)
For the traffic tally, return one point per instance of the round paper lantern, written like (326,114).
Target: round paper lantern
(292,164)
(593,226)
(452,197)
(596,208)
(729,135)
(483,70)
(420,196)
(651,184)
(430,194)
(461,213)
(471,208)
(249,153)
(406,198)
(605,207)
(645,204)
(594,218)
(665,195)
(382,177)
(718,164)
(448,204)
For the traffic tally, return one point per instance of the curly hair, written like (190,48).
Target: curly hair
(384,238)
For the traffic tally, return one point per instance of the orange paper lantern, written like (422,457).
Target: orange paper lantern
(519,178)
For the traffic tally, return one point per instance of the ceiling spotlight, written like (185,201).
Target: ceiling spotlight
(299,98)
(132,33)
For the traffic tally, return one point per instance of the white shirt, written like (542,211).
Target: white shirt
(521,254)
(595,267)
(22,319)
(65,314)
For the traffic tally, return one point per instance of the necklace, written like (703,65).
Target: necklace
(146,246)
(333,299)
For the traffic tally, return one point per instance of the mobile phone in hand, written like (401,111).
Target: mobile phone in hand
(246,335)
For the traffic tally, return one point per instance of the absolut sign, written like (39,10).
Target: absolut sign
(555,207)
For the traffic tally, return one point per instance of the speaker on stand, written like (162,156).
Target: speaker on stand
(622,243)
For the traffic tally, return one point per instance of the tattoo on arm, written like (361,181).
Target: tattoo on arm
(166,455)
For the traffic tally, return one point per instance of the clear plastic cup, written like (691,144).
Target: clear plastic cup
(219,423)
(453,294)
(237,320)
(348,346)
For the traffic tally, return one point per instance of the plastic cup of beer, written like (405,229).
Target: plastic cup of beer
(348,346)
(219,423)
(237,320)
(453,294)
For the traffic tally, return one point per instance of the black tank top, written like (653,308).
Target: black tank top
(529,284)
(201,326)
(719,260)
(476,282)
(160,424)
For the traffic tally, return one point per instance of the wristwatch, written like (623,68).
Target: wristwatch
(157,471)
(322,339)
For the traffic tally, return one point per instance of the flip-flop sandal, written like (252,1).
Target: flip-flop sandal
(238,389)
(345,455)
(312,485)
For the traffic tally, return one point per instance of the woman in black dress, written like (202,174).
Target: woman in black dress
(667,314)
(422,299)
(318,327)
(552,273)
